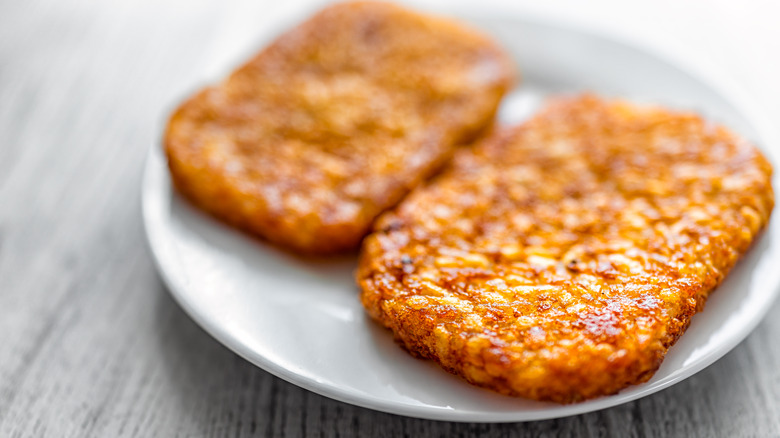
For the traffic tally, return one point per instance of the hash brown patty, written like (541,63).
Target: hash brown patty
(559,260)
(335,122)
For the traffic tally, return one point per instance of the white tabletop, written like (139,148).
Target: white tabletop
(91,344)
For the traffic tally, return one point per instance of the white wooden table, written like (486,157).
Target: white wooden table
(91,344)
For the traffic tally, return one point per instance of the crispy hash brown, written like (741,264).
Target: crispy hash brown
(335,122)
(559,260)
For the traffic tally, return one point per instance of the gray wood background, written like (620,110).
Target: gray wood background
(91,343)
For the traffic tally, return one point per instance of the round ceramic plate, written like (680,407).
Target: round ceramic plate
(302,320)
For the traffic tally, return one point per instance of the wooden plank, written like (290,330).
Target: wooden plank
(91,344)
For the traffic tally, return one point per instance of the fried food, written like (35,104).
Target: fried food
(335,122)
(559,260)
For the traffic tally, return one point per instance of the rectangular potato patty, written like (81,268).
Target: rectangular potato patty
(560,260)
(335,122)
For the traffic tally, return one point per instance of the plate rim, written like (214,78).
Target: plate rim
(725,89)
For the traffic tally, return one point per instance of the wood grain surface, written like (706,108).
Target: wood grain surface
(91,344)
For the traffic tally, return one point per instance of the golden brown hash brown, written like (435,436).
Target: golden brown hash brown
(559,260)
(335,122)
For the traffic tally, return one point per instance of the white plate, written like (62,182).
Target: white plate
(302,320)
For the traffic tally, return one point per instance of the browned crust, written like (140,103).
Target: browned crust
(559,260)
(334,122)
